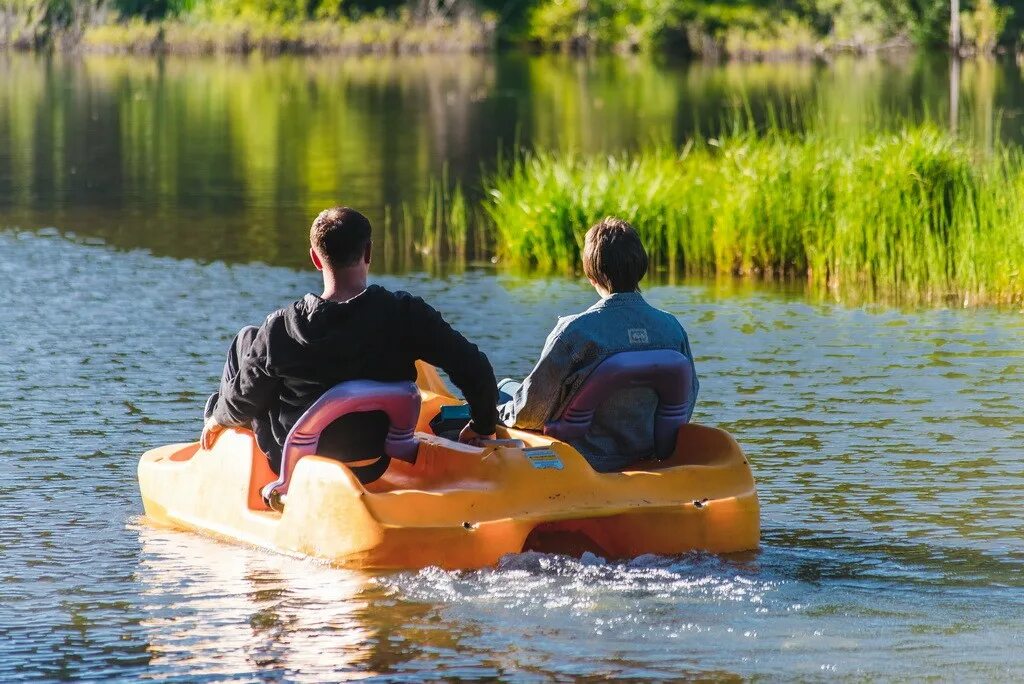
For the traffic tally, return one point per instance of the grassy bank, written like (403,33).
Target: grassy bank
(913,216)
(366,35)
(242,26)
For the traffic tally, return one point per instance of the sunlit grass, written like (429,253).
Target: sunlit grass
(368,34)
(913,215)
(442,225)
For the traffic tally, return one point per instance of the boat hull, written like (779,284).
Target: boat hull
(459,506)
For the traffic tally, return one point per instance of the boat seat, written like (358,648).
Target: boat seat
(399,401)
(668,373)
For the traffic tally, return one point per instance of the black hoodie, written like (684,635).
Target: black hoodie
(304,349)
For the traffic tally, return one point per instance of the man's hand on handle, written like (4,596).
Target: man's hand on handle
(211,431)
(469,436)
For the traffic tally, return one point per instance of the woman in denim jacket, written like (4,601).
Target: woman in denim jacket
(622,432)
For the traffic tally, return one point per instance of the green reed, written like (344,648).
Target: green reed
(913,215)
(224,32)
(442,225)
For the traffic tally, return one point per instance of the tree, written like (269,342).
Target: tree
(954,25)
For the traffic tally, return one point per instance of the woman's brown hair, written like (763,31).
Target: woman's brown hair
(613,256)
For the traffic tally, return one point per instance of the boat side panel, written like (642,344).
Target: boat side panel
(450,483)
(216,492)
(325,515)
(720,526)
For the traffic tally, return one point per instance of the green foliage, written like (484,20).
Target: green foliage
(270,10)
(912,215)
(38,23)
(248,34)
(983,26)
(927,21)
(753,27)
(738,27)
(855,22)
(619,24)
(785,36)
(152,9)
(645,24)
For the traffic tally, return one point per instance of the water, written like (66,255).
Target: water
(886,442)
(230,159)
(886,446)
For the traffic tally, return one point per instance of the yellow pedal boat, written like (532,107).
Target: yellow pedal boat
(457,506)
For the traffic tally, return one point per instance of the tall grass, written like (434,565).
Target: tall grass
(914,215)
(242,26)
(369,34)
(443,226)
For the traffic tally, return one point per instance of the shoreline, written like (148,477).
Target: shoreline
(401,35)
(373,35)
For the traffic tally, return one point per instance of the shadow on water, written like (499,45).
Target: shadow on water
(811,556)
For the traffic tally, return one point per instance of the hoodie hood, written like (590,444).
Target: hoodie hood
(313,321)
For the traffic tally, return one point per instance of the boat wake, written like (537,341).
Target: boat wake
(538,580)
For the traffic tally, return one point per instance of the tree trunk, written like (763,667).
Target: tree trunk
(954,25)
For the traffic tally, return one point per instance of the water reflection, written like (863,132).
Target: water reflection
(983,82)
(226,158)
(219,610)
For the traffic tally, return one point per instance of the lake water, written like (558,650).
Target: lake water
(229,159)
(148,210)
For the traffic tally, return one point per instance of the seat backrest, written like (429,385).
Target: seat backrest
(668,373)
(399,400)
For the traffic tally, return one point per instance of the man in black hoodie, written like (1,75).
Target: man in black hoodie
(350,332)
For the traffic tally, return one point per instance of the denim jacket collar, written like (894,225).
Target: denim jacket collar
(617,299)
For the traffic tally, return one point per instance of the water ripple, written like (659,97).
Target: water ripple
(887,447)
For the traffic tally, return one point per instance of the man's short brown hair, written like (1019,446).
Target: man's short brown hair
(613,256)
(340,235)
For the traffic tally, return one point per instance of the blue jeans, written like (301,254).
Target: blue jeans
(507,389)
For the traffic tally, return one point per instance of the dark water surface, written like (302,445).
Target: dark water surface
(888,444)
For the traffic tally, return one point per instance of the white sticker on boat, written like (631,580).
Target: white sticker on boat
(543,458)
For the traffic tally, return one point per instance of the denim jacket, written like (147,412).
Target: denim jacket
(623,428)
